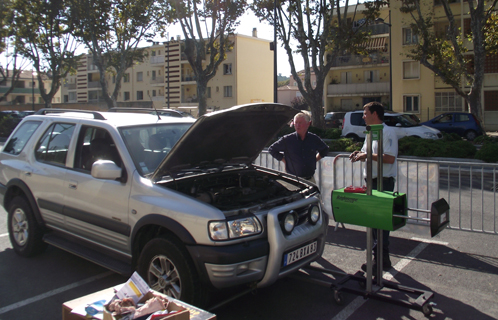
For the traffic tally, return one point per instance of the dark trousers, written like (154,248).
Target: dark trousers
(387,185)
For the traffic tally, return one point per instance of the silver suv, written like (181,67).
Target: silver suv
(353,126)
(178,200)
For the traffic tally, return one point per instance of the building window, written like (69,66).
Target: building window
(411,104)
(227,68)
(347,77)
(66,98)
(208,92)
(126,77)
(153,75)
(72,96)
(490,98)
(411,70)
(140,76)
(409,37)
(448,101)
(153,53)
(126,96)
(227,91)
(140,95)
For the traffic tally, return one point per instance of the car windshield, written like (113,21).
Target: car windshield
(149,144)
(402,120)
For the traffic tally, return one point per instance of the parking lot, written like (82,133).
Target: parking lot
(461,268)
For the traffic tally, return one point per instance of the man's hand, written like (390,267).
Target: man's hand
(357,156)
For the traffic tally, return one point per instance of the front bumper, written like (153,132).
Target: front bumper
(261,261)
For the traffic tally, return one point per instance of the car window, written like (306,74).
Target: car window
(54,144)
(148,145)
(444,118)
(403,120)
(95,144)
(462,117)
(357,119)
(21,137)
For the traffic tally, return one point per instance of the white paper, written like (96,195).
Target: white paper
(134,288)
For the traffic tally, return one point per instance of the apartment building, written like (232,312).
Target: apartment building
(25,94)
(166,80)
(356,80)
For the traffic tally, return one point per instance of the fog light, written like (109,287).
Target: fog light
(314,214)
(290,221)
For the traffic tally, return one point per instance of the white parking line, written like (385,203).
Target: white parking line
(359,301)
(53,292)
(4,235)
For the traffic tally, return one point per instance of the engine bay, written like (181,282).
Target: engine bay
(241,188)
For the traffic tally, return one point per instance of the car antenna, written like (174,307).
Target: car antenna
(157,113)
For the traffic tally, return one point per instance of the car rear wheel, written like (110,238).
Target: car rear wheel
(470,135)
(24,231)
(167,268)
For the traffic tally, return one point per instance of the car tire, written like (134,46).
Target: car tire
(26,235)
(167,268)
(470,135)
(353,137)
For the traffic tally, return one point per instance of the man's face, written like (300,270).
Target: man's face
(369,117)
(301,125)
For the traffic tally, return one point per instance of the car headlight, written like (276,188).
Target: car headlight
(430,135)
(313,214)
(224,230)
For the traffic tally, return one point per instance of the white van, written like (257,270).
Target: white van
(353,126)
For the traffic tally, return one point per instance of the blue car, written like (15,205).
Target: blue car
(464,124)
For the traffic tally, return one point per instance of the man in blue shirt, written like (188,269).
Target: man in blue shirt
(300,150)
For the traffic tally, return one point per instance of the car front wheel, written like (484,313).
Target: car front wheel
(24,232)
(470,135)
(167,268)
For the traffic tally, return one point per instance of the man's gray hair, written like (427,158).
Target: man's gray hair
(304,114)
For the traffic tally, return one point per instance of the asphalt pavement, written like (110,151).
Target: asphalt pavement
(460,268)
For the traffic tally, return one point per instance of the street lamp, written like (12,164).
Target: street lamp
(33,74)
(380,20)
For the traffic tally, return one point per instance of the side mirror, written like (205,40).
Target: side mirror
(106,169)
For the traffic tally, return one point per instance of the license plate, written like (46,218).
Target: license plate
(299,254)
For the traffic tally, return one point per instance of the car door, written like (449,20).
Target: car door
(97,209)
(445,123)
(46,177)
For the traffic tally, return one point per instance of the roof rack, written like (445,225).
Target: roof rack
(124,109)
(96,115)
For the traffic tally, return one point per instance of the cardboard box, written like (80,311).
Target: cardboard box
(181,314)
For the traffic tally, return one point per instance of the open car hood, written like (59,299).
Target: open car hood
(232,136)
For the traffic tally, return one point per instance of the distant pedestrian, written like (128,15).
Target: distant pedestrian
(301,150)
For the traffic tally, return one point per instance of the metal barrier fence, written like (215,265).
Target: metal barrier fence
(468,187)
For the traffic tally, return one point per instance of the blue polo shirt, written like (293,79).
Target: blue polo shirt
(300,155)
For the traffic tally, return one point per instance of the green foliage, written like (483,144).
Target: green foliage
(451,136)
(333,133)
(488,152)
(7,125)
(482,139)
(451,146)
(344,144)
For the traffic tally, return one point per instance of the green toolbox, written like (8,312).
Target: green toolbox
(351,205)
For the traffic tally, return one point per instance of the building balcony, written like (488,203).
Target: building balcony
(188,79)
(157,60)
(158,99)
(359,60)
(359,89)
(94,84)
(157,80)
(70,86)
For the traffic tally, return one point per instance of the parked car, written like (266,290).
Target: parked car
(464,124)
(334,119)
(354,126)
(177,199)
(414,117)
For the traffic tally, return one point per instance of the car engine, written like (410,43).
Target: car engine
(244,188)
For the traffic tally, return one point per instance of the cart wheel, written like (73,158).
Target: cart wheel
(338,298)
(427,310)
